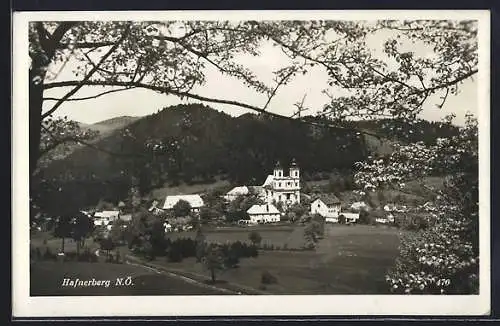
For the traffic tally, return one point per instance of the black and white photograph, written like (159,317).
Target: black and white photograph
(251,163)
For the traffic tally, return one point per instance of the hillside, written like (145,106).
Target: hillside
(199,146)
(105,127)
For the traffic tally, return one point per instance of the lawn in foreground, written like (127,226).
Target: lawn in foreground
(349,260)
(46,279)
(276,235)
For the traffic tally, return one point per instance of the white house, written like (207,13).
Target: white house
(351,217)
(154,208)
(126,217)
(390,207)
(195,201)
(237,191)
(168,227)
(264,213)
(108,215)
(104,217)
(360,205)
(100,222)
(326,206)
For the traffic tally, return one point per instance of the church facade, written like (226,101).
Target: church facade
(282,188)
(279,188)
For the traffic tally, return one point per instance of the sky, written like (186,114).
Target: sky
(140,102)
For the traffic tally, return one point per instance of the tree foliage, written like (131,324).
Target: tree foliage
(169,57)
(444,257)
(182,208)
(255,237)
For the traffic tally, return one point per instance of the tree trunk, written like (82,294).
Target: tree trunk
(62,244)
(35,116)
(77,248)
(212,272)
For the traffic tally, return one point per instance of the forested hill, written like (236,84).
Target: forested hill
(199,145)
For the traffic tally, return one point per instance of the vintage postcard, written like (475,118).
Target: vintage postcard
(206,163)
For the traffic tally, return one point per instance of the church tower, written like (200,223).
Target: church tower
(278,170)
(294,170)
(294,175)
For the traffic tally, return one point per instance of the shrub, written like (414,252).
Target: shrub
(87,256)
(267,278)
(48,255)
(365,217)
(38,253)
(174,254)
(109,259)
(255,237)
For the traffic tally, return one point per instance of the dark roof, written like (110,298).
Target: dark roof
(278,165)
(329,199)
(293,164)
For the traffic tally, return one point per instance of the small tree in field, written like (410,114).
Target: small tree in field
(63,229)
(107,245)
(255,237)
(200,244)
(214,259)
(342,219)
(82,228)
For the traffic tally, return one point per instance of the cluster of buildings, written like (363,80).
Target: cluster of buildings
(279,189)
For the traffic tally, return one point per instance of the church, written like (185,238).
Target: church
(277,188)
(281,188)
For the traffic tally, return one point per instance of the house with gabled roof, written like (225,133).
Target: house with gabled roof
(266,213)
(236,192)
(326,205)
(195,201)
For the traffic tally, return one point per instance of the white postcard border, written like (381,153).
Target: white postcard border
(101,306)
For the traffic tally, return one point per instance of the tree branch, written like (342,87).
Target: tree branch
(57,35)
(87,77)
(278,84)
(88,97)
(203,99)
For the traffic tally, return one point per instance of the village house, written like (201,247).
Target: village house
(359,206)
(154,209)
(266,213)
(351,217)
(236,192)
(105,217)
(327,206)
(195,201)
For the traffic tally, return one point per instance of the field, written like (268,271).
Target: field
(282,235)
(47,278)
(349,260)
